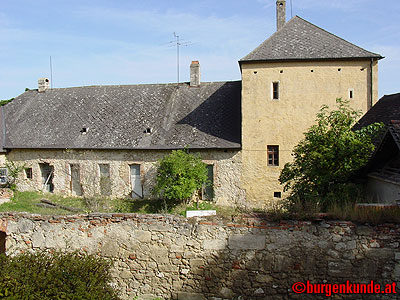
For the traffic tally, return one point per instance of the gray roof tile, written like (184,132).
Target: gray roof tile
(116,117)
(299,39)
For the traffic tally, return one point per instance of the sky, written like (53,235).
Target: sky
(106,42)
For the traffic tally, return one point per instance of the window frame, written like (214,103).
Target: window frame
(3,176)
(28,173)
(274,151)
(273,92)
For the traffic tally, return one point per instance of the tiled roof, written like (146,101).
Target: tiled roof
(385,110)
(117,117)
(299,39)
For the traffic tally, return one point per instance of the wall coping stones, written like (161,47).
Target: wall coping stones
(245,221)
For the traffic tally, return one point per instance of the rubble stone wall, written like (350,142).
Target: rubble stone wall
(189,259)
(227,168)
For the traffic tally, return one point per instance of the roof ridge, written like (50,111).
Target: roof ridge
(137,84)
(270,37)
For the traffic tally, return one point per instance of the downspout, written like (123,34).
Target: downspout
(372,88)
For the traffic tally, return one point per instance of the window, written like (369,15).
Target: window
(275,90)
(273,155)
(3,175)
(75,180)
(105,179)
(207,191)
(277,195)
(28,173)
(136,182)
(351,93)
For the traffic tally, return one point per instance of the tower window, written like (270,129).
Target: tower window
(351,93)
(275,90)
(277,195)
(273,155)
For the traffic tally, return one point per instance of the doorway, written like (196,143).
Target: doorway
(75,183)
(136,183)
(47,172)
(2,242)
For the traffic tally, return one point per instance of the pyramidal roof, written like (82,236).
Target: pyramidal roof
(299,39)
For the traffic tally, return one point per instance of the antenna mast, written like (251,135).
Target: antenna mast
(177,42)
(51,73)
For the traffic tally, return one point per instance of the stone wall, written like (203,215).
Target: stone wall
(190,259)
(226,166)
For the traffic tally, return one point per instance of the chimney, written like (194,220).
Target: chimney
(280,14)
(43,84)
(195,73)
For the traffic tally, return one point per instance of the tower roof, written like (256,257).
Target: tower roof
(299,39)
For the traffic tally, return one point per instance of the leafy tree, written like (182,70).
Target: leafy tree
(330,153)
(179,175)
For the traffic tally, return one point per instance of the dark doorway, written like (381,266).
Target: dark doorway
(47,177)
(2,242)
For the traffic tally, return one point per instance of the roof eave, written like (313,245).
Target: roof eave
(309,59)
(232,147)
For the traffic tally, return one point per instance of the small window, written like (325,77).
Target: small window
(277,195)
(273,155)
(207,191)
(28,173)
(3,175)
(351,94)
(275,90)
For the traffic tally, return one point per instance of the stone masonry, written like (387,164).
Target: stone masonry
(195,259)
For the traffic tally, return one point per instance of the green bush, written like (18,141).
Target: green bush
(55,276)
(328,156)
(179,175)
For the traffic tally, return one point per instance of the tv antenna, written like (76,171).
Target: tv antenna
(177,42)
(51,73)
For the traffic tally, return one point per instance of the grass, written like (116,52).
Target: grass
(25,202)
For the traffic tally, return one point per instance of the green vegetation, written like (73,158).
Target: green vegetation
(179,175)
(4,102)
(26,202)
(328,156)
(55,276)
(13,173)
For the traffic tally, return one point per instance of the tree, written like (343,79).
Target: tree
(330,153)
(179,175)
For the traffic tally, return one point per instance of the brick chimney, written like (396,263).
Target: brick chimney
(280,14)
(43,84)
(195,73)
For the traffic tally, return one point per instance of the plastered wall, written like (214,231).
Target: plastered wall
(303,88)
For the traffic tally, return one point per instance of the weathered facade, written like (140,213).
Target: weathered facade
(73,139)
(112,172)
(285,81)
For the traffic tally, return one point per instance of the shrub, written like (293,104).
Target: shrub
(55,276)
(179,175)
(328,156)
